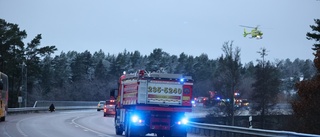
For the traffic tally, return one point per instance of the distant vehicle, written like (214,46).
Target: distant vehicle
(109,108)
(200,101)
(100,105)
(255,32)
(241,103)
(3,96)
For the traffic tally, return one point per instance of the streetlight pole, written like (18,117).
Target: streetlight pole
(24,82)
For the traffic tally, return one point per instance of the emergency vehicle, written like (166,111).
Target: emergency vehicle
(109,108)
(152,103)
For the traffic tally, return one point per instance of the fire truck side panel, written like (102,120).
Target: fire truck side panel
(187,94)
(130,92)
(142,92)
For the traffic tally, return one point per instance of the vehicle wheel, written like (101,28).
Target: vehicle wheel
(129,132)
(184,134)
(3,119)
(118,131)
(159,135)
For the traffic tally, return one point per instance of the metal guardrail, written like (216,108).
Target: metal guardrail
(213,130)
(43,103)
(37,109)
(59,105)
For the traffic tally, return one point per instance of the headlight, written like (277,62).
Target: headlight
(135,118)
(182,80)
(183,121)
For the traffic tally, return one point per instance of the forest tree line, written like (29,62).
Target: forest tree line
(89,77)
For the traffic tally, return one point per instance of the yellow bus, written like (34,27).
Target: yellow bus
(4,85)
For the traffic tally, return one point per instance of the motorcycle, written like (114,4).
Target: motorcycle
(51,108)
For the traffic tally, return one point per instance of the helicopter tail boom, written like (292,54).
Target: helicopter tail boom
(245,33)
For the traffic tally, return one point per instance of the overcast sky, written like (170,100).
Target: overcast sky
(190,26)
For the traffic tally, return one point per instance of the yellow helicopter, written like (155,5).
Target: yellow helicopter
(255,32)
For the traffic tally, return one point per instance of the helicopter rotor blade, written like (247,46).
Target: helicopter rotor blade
(246,26)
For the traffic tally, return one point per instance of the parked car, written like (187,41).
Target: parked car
(109,108)
(100,105)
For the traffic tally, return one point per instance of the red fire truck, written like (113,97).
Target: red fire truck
(152,103)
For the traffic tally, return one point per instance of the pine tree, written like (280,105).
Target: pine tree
(316,35)
(306,107)
(266,87)
(14,53)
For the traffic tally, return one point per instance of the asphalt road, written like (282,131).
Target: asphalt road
(86,123)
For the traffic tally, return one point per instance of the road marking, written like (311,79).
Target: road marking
(19,124)
(82,111)
(5,132)
(88,129)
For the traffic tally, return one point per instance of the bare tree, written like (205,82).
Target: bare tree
(229,70)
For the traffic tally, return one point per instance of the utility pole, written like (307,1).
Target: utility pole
(24,77)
